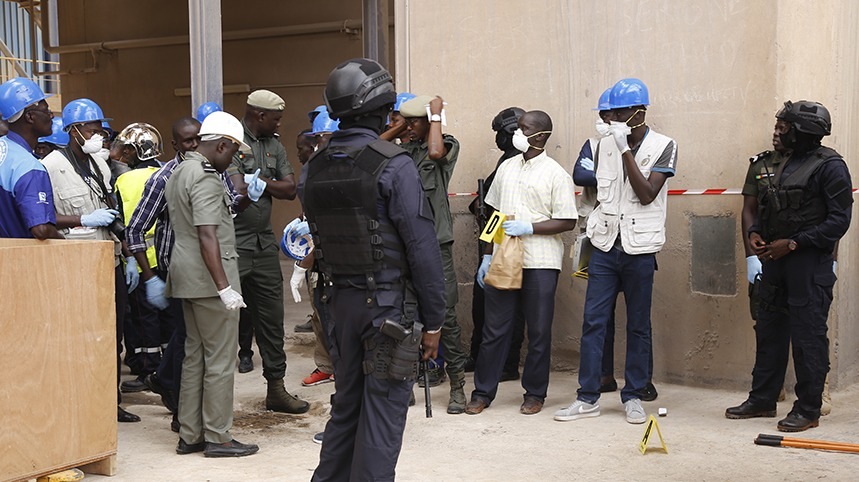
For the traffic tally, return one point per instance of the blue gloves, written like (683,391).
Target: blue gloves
(99,217)
(298,226)
(484,268)
(753,268)
(255,186)
(587,164)
(155,293)
(517,228)
(132,276)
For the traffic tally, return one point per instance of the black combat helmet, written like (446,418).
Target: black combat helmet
(807,117)
(507,120)
(358,86)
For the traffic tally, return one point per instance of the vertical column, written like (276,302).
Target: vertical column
(375,31)
(207,70)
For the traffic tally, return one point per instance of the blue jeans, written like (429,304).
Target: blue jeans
(609,274)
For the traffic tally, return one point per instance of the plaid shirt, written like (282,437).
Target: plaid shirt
(152,209)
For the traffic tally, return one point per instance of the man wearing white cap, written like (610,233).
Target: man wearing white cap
(204,273)
(259,261)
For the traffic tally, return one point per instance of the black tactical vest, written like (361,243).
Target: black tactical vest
(340,196)
(789,206)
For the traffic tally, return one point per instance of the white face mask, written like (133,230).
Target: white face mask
(93,144)
(520,141)
(602,128)
(102,154)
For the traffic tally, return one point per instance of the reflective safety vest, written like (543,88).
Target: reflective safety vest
(130,186)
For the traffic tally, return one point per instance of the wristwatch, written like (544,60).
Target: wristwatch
(435,118)
(791,245)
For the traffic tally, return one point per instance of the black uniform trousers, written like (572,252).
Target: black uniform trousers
(795,295)
(364,435)
(478,315)
(170,369)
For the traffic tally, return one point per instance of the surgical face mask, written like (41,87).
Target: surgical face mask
(91,145)
(520,140)
(103,154)
(602,128)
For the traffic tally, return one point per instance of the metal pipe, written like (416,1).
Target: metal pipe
(348,26)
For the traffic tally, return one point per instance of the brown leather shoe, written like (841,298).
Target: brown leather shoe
(796,422)
(475,406)
(531,406)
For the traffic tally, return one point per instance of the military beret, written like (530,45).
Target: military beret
(266,99)
(416,107)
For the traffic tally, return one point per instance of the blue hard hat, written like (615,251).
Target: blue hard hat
(294,246)
(81,111)
(316,111)
(58,137)
(323,123)
(603,103)
(401,98)
(628,93)
(205,109)
(17,94)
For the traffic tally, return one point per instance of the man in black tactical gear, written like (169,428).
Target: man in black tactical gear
(802,214)
(379,259)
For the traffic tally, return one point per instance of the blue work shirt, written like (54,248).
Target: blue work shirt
(26,197)
(401,203)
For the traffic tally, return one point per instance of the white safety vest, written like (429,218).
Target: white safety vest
(641,227)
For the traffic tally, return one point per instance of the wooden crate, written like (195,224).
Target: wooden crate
(58,357)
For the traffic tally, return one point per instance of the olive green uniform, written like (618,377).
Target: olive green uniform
(259,262)
(435,177)
(196,197)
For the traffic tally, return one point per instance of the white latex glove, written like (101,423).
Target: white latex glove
(132,276)
(517,228)
(99,217)
(753,268)
(155,293)
(232,299)
(296,282)
(619,130)
(587,164)
(255,186)
(484,268)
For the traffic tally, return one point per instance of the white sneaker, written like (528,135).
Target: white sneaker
(577,410)
(634,411)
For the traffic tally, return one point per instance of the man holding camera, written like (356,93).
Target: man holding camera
(86,208)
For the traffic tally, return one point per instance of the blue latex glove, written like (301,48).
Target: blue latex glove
(517,228)
(301,228)
(132,276)
(835,267)
(155,293)
(484,268)
(587,164)
(99,217)
(255,186)
(753,268)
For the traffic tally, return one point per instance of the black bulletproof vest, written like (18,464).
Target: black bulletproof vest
(790,206)
(340,204)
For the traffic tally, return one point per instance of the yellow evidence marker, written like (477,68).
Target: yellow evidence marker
(494,232)
(648,431)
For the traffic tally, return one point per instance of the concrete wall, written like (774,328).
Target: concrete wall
(717,73)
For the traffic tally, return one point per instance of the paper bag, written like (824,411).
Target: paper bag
(505,271)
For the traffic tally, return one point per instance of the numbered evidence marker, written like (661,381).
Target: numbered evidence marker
(493,232)
(648,431)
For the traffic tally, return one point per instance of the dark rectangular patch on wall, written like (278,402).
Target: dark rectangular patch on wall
(714,263)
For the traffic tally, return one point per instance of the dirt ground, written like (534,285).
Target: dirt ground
(499,444)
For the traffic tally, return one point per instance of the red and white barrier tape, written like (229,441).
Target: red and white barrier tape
(671,192)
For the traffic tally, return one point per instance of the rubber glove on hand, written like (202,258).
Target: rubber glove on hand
(299,226)
(753,268)
(255,186)
(517,228)
(484,268)
(99,217)
(296,282)
(619,130)
(232,299)
(587,164)
(155,293)
(132,276)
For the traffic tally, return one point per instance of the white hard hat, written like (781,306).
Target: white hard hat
(222,124)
